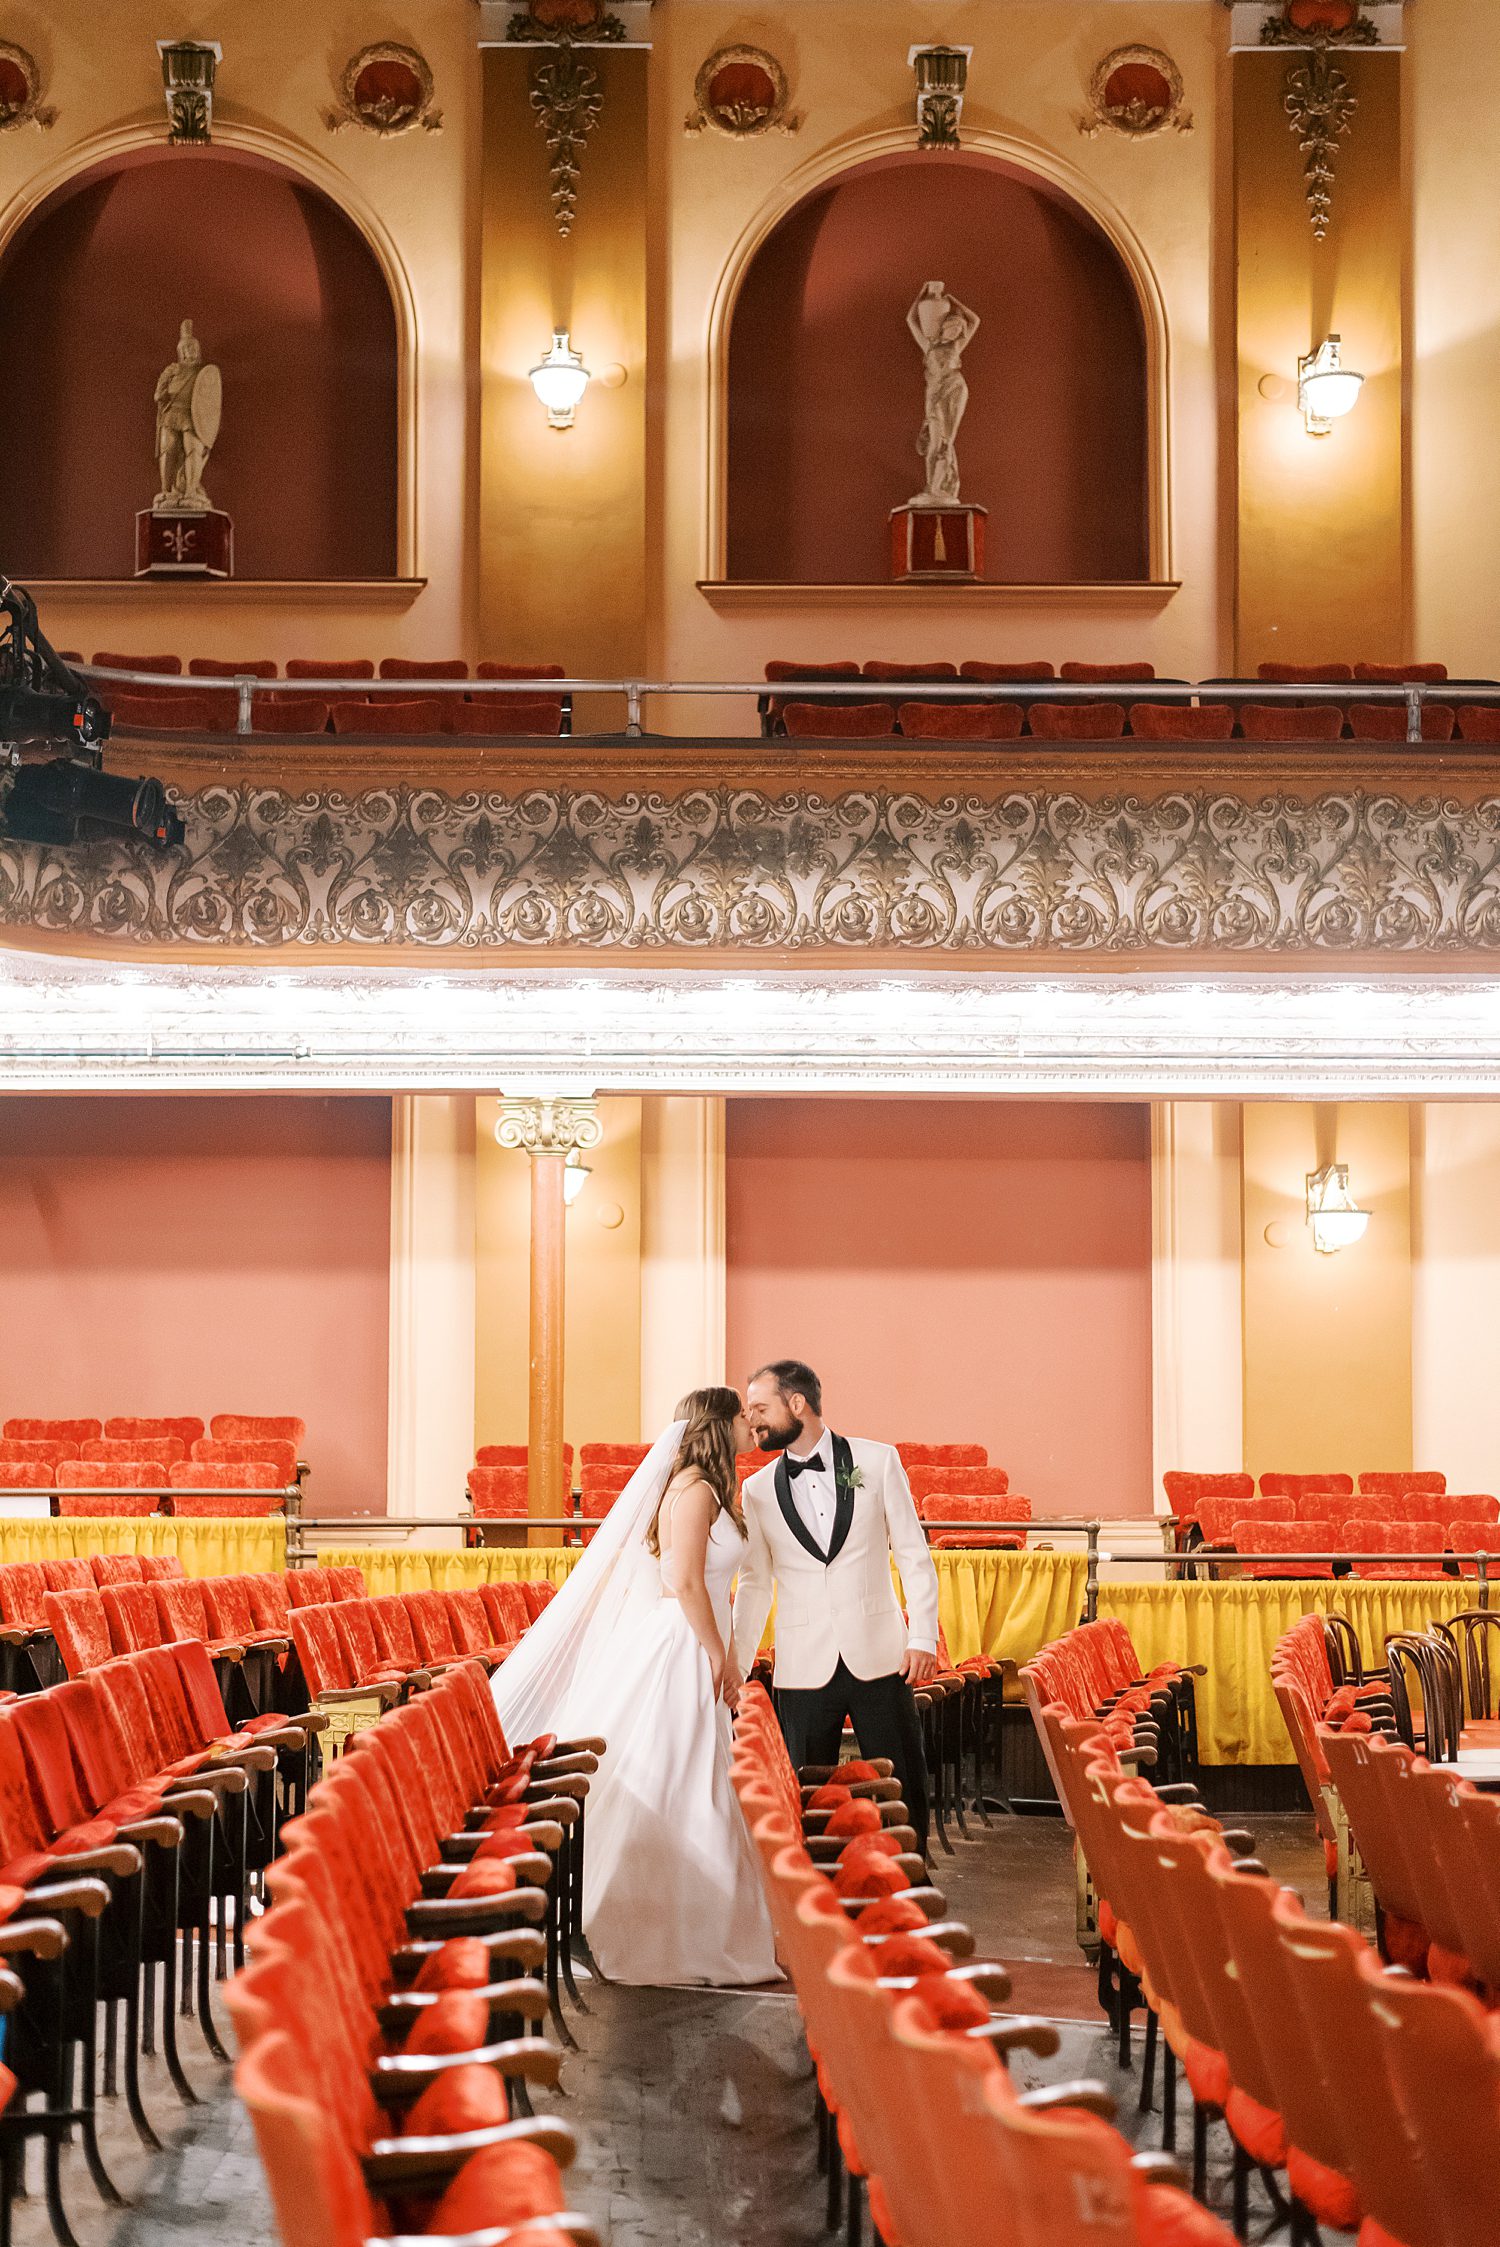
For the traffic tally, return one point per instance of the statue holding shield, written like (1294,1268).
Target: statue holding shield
(189,401)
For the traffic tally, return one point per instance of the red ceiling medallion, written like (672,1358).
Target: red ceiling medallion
(386,90)
(1136,91)
(21,91)
(742,92)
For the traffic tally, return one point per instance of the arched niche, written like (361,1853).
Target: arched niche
(287,298)
(824,390)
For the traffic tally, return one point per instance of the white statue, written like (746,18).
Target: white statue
(942,328)
(189,401)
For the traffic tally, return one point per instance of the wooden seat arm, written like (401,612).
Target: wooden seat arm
(533,1870)
(930,1900)
(863,1790)
(1087,2096)
(1160,2169)
(394,2164)
(520,2059)
(523,1996)
(165,1832)
(463,1915)
(34,1938)
(338,1696)
(818,1774)
(459,1848)
(13,1634)
(583,1764)
(90,1897)
(950,1935)
(516,1947)
(117,1858)
(1020,2032)
(211,1778)
(590,1744)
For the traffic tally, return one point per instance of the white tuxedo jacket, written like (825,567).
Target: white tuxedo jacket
(842,1604)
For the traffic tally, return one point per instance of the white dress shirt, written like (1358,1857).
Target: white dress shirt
(815,1496)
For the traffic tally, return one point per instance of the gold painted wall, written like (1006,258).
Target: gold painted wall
(602,1400)
(562,514)
(1328,1339)
(1322,549)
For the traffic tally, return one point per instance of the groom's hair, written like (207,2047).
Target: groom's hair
(793,1378)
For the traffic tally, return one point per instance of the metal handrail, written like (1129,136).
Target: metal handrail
(637,692)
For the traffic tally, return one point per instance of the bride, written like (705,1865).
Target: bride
(636,1648)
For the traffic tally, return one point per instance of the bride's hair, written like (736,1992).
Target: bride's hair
(707,1444)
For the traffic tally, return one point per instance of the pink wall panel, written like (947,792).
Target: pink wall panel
(203,1255)
(957,1271)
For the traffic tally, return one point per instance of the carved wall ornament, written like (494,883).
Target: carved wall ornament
(566,95)
(188,70)
(942,77)
(742,92)
(1319,101)
(1136,91)
(549,1126)
(1254,871)
(21,91)
(385,89)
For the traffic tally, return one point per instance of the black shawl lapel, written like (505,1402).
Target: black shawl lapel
(843,1506)
(793,1519)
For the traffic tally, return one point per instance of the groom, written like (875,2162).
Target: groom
(823,1524)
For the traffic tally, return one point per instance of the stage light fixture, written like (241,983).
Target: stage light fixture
(1336,1219)
(576,1175)
(560,380)
(1326,388)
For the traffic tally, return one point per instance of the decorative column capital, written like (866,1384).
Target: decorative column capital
(549,1126)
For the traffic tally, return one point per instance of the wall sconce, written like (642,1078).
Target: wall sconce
(560,380)
(1326,388)
(1336,1219)
(576,1175)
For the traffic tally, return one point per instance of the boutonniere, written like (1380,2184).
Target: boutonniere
(850,1481)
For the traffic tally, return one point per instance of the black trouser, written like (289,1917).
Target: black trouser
(884,1717)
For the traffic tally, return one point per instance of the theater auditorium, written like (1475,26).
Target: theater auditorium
(749,1123)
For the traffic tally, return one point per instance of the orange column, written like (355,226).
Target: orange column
(544,1423)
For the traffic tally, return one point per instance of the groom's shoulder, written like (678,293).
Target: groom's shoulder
(870,1451)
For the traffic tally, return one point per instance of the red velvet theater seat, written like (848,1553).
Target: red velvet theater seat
(289,713)
(1077,721)
(503,714)
(14,1450)
(516,671)
(499,1493)
(422,714)
(1174,721)
(243,667)
(187,1427)
(959,721)
(780,669)
(1401,674)
(330,667)
(174,713)
(919,1455)
(266,1451)
(844,721)
(158,1451)
(53,1431)
(1304,674)
(1386,721)
(1105,674)
(244,1427)
(410,667)
(1291,721)
(1006,674)
(877,668)
(31,1474)
(165,666)
(1479,721)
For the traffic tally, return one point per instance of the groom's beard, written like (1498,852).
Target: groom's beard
(782,1439)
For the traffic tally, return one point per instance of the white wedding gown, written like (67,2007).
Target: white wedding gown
(670,1889)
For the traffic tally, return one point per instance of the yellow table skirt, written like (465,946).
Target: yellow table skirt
(1008,1605)
(205,1548)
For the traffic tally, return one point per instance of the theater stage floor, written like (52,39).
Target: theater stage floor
(694,2106)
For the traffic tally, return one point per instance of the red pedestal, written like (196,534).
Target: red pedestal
(937,542)
(184,545)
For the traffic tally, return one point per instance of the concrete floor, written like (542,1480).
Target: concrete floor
(694,2107)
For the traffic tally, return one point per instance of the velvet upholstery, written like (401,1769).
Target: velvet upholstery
(842,721)
(1386,721)
(165,666)
(1401,674)
(502,713)
(1479,721)
(421,714)
(1076,721)
(50,1431)
(174,713)
(186,1427)
(1304,674)
(330,667)
(235,667)
(1291,721)
(960,721)
(289,713)
(1105,674)
(415,667)
(1006,674)
(1176,721)
(878,668)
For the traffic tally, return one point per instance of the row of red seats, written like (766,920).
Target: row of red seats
(140,1490)
(1188,1491)
(1093,1673)
(1143,721)
(383,2019)
(1216,1517)
(134,1816)
(394,1644)
(1376,2099)
(128,1465)
(68,1437)
(920,2108)
(498,1480)
(780,671)
(1266,1547)
(216,709)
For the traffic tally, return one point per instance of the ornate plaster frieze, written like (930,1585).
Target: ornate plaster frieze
(723,869)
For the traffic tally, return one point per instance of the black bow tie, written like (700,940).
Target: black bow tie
(812,1466)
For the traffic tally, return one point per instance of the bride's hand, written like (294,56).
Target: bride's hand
(716,1672)
(733,1684)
